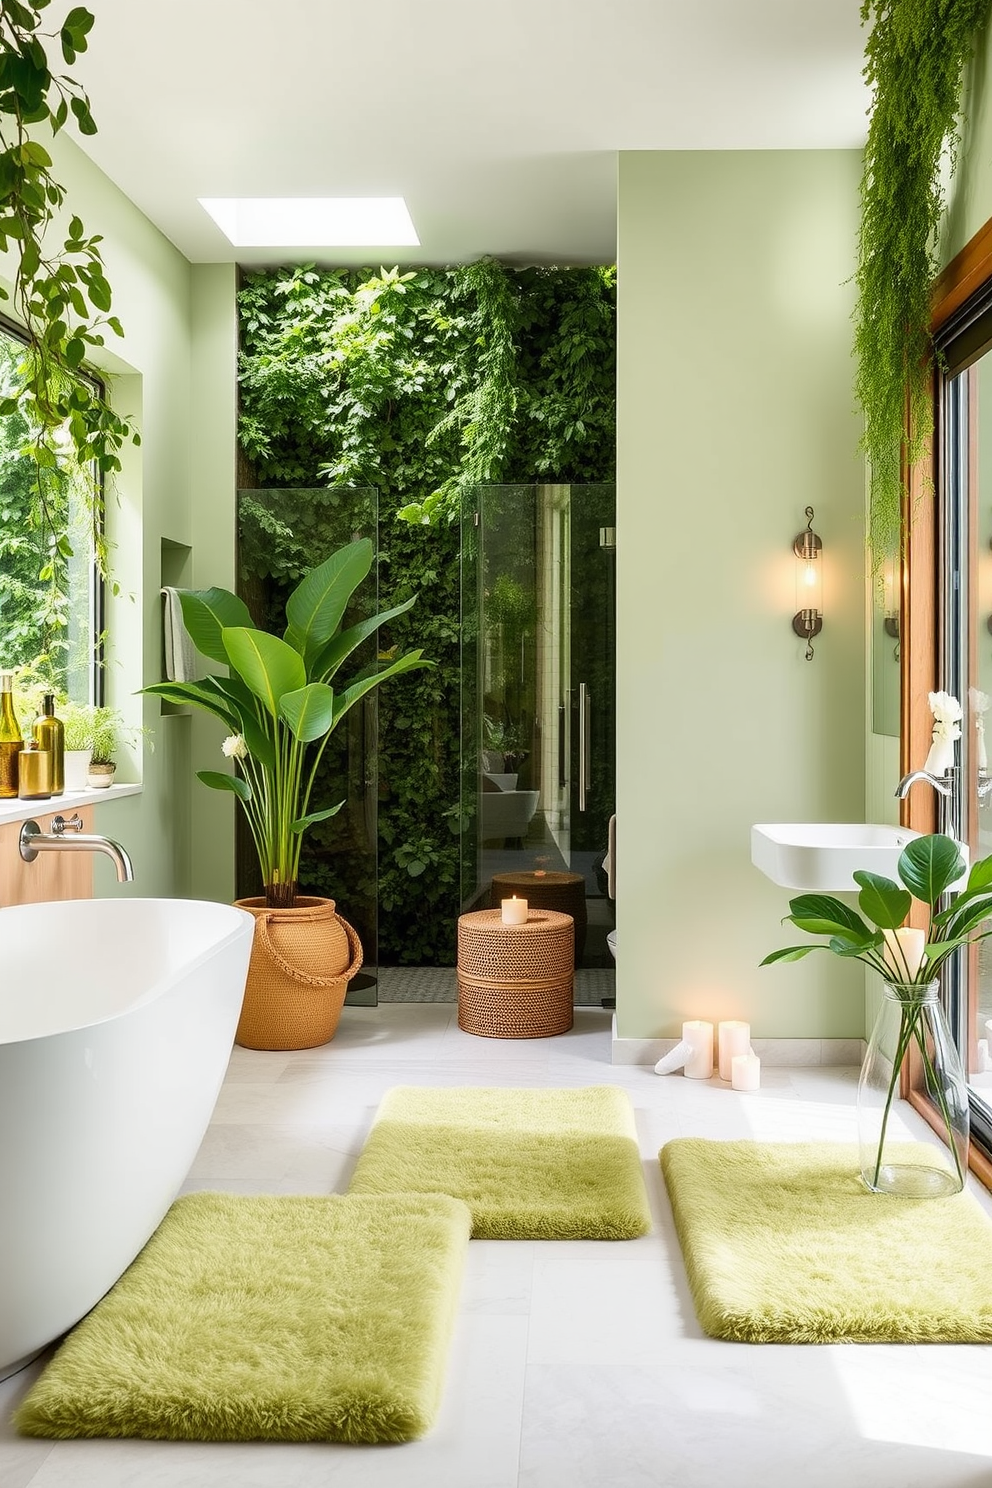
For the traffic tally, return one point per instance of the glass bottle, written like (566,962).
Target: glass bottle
(49,733)
(911,1022)
(11,742)
(34,772)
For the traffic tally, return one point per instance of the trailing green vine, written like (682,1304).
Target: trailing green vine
(61,296)
(373,380)
(914,58)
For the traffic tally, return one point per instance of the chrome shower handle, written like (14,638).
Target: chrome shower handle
(585,744)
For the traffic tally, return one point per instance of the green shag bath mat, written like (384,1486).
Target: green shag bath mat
(282,1319)
(783,1243)
(530,1164)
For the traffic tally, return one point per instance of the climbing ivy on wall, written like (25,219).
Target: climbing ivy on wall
(423,384)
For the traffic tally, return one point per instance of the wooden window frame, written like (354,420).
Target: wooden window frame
(966,273)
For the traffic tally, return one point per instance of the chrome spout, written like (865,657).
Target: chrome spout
(943,784)
(34,841)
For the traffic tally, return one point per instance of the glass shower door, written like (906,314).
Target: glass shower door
(538,666)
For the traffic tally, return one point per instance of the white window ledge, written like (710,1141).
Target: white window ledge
(16,811)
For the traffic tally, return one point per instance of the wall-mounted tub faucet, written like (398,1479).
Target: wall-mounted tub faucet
(34,841)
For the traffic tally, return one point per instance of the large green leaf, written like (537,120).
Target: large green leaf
(217,781)
(822,914)
(309,712)
(929,865)
(351,695)
(960,919)
(302,822)
(315,608)
(265,664)
(196,695)
(206,612)
(980,877)
(340,647)
(790,953)
(884,902)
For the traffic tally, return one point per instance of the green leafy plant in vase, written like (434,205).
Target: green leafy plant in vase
(909,959)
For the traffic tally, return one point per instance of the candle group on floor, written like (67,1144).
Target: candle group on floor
(735,1059)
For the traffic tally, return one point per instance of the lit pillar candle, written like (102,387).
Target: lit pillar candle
(699,1065)
(734,1038)
(745,1072)
(514,911)
(904,952)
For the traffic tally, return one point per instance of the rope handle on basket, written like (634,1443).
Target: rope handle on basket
(354,946)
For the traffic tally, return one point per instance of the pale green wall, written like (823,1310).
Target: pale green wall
(177,369)
(735,411)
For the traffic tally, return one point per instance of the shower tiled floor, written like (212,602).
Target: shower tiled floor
(574,1365)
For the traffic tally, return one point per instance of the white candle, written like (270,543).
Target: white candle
(734,1038)
(699,1065)
(514,911)
(904,952)
(745,1072)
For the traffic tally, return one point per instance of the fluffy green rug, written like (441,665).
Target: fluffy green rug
(289,1319)
(530,1164)
(784,1244)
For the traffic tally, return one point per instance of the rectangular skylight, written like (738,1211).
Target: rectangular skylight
(313,222)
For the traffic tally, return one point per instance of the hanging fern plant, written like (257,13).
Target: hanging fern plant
(914,59)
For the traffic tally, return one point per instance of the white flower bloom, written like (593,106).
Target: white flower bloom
(979,704)
(234,747)
(945,708)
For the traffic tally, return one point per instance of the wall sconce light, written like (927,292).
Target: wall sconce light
(890,600)
(808,619)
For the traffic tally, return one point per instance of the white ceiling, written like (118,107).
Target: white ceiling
(498,120)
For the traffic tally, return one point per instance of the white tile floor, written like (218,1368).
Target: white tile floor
(574,1365)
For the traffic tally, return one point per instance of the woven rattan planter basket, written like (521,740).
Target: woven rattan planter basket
(301,962)
(515,981)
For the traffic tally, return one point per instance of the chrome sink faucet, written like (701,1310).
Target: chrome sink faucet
(34,841)
(947,787)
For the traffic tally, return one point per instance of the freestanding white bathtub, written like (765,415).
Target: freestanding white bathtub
(117,1018)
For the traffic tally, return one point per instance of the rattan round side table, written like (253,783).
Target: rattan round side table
(564,892)
(515,981)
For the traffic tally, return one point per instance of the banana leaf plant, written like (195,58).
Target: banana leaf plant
(278,701)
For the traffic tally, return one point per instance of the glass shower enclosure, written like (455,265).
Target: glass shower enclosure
(537,702)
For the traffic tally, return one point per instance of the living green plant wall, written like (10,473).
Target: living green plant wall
(423,384)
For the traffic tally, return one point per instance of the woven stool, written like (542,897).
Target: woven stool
(515,981)
(565,892)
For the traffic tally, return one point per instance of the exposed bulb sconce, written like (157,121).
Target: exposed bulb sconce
(808,619)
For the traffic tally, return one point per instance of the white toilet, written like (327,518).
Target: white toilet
(611,941)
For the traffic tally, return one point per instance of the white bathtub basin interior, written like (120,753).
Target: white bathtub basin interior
(110,1067)
(824,855)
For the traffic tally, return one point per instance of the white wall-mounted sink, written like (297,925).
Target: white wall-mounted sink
(822,856)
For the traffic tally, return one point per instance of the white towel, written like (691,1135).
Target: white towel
(180,653)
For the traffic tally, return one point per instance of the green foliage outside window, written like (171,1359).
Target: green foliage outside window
(422,384)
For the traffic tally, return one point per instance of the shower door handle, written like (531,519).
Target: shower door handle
(562,763)
(585,744)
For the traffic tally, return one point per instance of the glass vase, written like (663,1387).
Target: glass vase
(909,1020)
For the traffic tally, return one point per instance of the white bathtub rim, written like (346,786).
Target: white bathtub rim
(242,924)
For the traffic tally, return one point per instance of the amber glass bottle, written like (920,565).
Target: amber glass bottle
(11,742)
(49,733)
